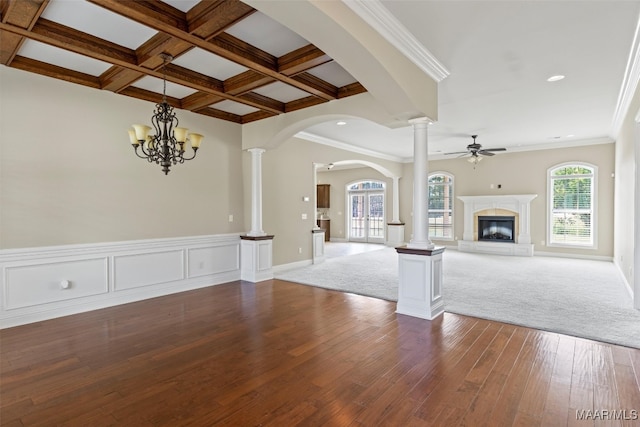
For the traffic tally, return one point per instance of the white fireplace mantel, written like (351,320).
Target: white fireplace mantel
(518,203)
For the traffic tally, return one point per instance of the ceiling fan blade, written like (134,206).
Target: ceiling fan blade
(495,149)
(457,152)
(485,153)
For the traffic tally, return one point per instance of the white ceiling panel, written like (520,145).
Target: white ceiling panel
(183,5)
(209,64)
(234,107)
(155,85)
(333,73)
(98,22)
(62,58)
(264,33)
(281,92)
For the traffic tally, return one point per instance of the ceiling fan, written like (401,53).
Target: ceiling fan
(475,151)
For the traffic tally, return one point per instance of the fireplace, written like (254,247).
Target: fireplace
(496,229)
(516,206)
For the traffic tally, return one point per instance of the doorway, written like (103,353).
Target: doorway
(366,221)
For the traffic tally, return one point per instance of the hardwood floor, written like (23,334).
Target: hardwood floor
(283,354)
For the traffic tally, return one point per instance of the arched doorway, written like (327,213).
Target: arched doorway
(366,215)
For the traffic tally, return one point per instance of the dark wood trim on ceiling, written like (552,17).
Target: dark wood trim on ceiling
(177,33)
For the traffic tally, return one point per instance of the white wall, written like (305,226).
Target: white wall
(626,188)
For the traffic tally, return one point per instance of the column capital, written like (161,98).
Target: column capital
(256,150)
(420,120)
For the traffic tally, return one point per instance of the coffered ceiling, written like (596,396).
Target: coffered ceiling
(240,64)
(229,60)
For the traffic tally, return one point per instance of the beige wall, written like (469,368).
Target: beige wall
(69,175)
(288,177)
(339,179)
(526,173)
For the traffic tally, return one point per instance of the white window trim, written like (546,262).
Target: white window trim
(594,204)
(453,204)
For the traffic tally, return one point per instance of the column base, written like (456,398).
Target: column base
(256,258)
(420,286)
(318,246)
(395,234)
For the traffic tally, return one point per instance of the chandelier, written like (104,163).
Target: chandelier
(167,146)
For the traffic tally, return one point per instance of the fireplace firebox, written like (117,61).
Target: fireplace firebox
(496,229)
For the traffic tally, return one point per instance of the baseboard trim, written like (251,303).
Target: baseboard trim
(624,278)
(576,256)
(290,266)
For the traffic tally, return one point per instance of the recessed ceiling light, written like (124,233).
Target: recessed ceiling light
(555,78)
(570,135)
(341,123)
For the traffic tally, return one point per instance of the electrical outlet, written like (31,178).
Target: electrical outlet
(304,216)
(299,250)
(230,218)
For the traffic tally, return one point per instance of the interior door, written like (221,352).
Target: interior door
(375,218)
(366,217)
(357,217)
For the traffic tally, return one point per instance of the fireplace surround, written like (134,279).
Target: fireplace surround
(517,207)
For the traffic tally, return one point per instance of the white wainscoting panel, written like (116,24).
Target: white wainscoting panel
(213,260)
(43,283)
(29,285)
(132,271)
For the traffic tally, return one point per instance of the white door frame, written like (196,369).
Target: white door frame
(366,194)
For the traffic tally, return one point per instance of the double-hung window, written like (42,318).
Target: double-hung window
(441,206)
(571,205)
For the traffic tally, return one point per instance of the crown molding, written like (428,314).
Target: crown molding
(380,19)
(629,83)
(347,147)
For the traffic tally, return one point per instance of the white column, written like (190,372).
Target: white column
(420,238)
(396,200)
(315,196)
(256,192)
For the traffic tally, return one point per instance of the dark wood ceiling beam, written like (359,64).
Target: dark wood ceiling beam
(268,104)
(301,60)
(206,19)
(193,79)
(199,100)
(219,114)
(144,13)
(58,35)
(117,78)
(239,48)
(23,14)
(67,38)
(351,89)
(147,95)
(246,82)
(257,115)
(45,69)
(301,103)
(320,85)
(209,18)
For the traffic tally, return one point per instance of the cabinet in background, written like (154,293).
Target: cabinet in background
(325,224)
(323,196)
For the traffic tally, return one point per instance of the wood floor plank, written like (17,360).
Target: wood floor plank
(278,353)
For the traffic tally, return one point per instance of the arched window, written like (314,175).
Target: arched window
(441,206)
(572,197)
